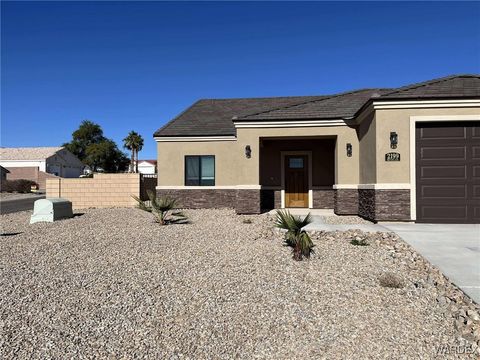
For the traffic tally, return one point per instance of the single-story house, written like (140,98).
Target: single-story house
(405,154)
(147,166)
(3,173)
(35,163)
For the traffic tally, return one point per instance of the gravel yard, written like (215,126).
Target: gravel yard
(111,282)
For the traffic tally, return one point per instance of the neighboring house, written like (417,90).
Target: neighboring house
(405,154)
(147,166)
(36,163)
(3,173)
(3,176)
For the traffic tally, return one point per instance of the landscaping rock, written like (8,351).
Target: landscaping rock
(112,283)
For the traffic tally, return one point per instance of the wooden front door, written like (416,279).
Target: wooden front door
(296,181)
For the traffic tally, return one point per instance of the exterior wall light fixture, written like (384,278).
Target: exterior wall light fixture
(393,140)
(248,151)
(349,150)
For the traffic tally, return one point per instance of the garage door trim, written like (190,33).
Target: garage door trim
(413,122)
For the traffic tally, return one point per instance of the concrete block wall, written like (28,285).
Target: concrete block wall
(101,191)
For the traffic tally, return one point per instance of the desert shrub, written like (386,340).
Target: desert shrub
(162,208)
(295,237)
(390,280)
(20,185)
(357,241)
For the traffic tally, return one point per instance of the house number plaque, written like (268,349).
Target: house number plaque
(392,156)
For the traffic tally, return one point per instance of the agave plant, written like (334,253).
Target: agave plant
(295,237)
(162,208)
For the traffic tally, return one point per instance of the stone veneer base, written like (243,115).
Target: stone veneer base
(243,201)
(384,205)
(374,205)
(346,202)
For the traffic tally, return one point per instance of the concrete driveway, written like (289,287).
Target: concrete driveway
(453,248)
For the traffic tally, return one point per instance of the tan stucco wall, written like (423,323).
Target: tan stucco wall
(398,120)
(233,168)
(367,140)
(229,161)
(370,142)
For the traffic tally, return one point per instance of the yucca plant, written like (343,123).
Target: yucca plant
(162,208)
(295,237)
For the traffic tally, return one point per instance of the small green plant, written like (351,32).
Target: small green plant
(247,221)
(390,280)
(295,237)
(359,242)
(162,208)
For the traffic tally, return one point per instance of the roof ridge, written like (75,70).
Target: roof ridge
(262,97)
(306,102)
(429,82)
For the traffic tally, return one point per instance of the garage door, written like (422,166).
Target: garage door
(448,172)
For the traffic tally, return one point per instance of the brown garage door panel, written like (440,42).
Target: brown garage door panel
(476,192)
(441,171)
(444,212)
(437,153)
(448,172)
(438,133)
(444,191)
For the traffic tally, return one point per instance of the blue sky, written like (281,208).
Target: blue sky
(135,65)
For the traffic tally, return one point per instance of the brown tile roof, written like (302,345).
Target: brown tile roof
(213,117)
(339,106)
(455,86)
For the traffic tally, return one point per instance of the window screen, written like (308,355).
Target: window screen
(200,170)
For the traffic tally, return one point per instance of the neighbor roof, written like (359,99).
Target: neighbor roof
(28,153)
(214,117)
(152,162)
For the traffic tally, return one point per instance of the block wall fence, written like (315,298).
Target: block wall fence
(101,191)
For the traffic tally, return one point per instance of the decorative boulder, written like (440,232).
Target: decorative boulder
(50,210)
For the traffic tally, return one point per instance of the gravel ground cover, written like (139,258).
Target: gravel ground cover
(112,283)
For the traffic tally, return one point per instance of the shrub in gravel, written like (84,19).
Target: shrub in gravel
(162,208)
(390,280)
(247,221)
(358,241)
(295,237)
(20,185)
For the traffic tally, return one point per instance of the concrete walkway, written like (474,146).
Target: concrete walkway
(319,225)
(453,248)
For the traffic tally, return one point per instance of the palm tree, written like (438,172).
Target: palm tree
(295,237)
(134,143)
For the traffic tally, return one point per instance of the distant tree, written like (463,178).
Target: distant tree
(95,150)
(107,156)
(88,133)
(134,143)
